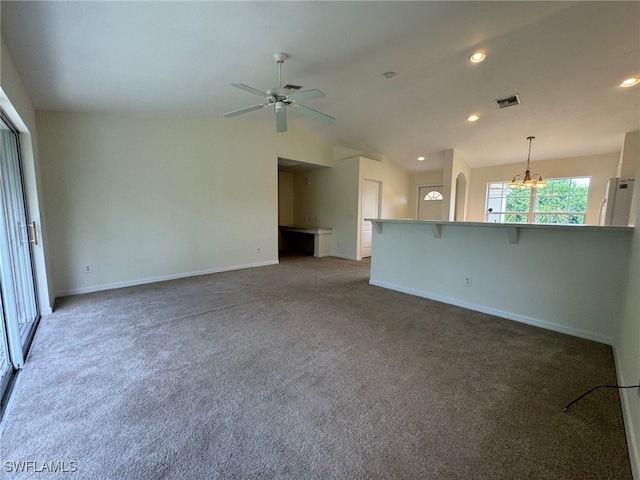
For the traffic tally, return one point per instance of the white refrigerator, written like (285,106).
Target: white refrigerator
(616,206)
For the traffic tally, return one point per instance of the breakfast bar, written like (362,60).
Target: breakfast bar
(568,278)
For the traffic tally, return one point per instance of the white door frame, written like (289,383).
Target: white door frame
(361,210)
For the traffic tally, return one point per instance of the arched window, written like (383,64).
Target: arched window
(433,195)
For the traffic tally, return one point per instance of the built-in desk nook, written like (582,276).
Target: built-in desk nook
(313,240)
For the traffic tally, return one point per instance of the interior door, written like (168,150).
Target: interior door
(19,305)
(430,202)
(370,209)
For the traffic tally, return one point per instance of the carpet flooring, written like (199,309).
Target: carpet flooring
(302,370)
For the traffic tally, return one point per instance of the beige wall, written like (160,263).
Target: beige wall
(301,145)
(149,197)
(285,198)
(629,156)
(285,202)
(599,167)
(460,177)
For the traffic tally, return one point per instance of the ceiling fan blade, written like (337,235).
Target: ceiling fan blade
(245,110)
(310,112)
(305,95)
(281,119)
(249,89)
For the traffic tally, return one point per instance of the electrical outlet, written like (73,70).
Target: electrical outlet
(468,280)
(87,268)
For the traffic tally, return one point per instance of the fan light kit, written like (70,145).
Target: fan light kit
(279,98)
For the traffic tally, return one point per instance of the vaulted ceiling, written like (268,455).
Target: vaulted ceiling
(565,61)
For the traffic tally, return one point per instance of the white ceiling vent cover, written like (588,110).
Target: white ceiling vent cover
(510,101)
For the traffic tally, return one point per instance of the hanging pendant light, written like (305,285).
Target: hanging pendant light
(528,179)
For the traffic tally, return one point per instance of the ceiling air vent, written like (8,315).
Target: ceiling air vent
(510,101)
(292,87)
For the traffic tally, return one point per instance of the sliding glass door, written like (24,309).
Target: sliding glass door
(17,235)
(6,368)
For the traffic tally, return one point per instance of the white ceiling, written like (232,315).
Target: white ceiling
(564,59)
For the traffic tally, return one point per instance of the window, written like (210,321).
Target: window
(563,201)
(505,205)
(433,195)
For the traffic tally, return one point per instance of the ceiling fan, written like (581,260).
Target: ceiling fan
(280,97)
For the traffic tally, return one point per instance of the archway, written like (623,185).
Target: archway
(461,198)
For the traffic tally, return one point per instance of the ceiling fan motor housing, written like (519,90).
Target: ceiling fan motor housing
(278,92)
(280,57)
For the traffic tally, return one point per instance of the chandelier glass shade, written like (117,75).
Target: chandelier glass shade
(528,179)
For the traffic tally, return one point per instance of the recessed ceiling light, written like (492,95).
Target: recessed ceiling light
(630,82)
(421,159)
(473,118)
(477,57)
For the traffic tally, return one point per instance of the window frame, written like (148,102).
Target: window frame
(532,212)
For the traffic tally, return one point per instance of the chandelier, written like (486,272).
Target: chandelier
(528,179)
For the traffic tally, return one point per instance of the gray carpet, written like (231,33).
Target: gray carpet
(304,371)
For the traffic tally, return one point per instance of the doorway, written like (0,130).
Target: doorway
(297,204)
(430,199)
(371,204)
(20,312)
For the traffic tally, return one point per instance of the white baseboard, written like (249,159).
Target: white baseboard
(143,281)
(633,440)
(345,257)
(576,332)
